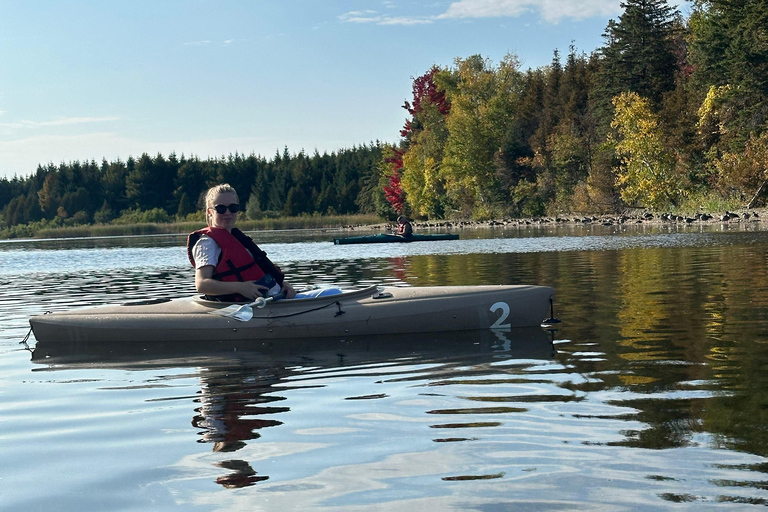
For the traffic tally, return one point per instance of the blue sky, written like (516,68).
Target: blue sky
(93,79)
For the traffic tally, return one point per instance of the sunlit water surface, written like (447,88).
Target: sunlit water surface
(651,395)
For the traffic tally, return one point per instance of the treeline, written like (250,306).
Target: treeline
(668,113)
(160,189)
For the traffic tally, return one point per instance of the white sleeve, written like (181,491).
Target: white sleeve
(206,252)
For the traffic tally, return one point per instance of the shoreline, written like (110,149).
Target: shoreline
(755,217)
(752,216)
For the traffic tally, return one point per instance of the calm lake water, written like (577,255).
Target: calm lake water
(652,394)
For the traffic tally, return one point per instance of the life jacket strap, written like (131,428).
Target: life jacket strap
(233,271)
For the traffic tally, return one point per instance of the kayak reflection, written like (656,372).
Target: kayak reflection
(534,342)
(244,386)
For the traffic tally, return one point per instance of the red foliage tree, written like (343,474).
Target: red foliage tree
(393,192)
(425,91)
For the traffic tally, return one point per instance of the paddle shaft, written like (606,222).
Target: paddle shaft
(260,302)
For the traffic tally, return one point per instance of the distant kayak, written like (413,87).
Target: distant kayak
(382,238)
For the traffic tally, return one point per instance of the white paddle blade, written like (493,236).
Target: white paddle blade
(243,312)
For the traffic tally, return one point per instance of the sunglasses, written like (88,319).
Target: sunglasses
(222,208)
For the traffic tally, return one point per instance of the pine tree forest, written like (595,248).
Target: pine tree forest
(668,113)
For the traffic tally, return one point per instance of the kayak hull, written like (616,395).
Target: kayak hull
(371,311)
(387,238)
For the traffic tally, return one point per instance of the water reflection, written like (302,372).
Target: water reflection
(243,385)
(654,392)
(230,397)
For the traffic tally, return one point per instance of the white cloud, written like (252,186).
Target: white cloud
(405,20)
(551,11)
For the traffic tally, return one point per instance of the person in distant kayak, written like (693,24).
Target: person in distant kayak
(404,227)
(229,266)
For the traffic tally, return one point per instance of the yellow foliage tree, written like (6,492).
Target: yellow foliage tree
(420,182)
(744,172)
(646,174)
(711,122)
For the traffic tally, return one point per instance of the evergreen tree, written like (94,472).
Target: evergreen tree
(104,214)
(192,179)
(139,186)
(113,182)
(729,48)
(185,206)
(639,54)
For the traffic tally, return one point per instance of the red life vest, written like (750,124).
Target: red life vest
(240,260)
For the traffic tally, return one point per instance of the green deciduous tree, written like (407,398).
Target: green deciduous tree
(483,105)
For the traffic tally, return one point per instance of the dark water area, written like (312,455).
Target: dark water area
(650,395)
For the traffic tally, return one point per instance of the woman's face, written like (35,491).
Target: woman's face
(227,219)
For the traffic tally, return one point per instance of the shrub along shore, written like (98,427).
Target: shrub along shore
(41,230)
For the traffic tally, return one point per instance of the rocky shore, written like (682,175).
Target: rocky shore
(755,215)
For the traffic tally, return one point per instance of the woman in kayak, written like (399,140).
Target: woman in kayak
(404,227)
(228,264)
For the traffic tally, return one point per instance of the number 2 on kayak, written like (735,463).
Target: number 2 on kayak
(504,307)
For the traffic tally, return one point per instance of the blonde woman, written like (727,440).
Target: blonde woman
(229,266)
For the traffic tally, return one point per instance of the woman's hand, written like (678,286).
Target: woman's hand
(251,290)
(288,289)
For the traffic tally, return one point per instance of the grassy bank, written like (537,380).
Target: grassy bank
(40,230)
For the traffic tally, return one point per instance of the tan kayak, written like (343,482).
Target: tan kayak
(370,311)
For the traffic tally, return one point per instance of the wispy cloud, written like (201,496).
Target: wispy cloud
(379,19)
(59,121)
(208,42)
(551,11)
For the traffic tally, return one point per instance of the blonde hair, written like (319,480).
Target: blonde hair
(224,188)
